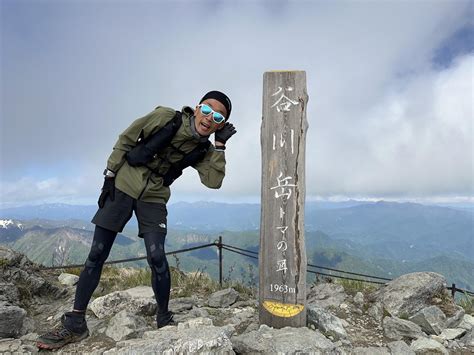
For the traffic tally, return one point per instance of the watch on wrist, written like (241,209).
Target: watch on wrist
(109,173)
(220,147)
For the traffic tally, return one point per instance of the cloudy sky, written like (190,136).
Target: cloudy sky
(390,87)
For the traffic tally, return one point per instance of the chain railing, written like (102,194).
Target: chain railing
(254,255)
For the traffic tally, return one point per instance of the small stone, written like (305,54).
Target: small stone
(359,299)
(68,279)
(451,334)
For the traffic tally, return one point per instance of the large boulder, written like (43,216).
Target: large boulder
(223,298)
(428,346)
(326,294)
(431,319)
(11,320)
(398,329)
(182,304)
(286,340)
(451,334)
(22,272)
(456,318)
(125,325)
(408,294)
(326,322)
(192,337)
(140,300)
(9,293)
(467,322)
(400,348)
(468,339)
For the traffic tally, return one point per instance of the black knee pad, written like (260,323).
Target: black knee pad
(96,256)
(156,257)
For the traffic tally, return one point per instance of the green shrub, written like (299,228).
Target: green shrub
(351,287)
(467,302)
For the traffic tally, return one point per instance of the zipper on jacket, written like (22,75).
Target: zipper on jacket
(147,180)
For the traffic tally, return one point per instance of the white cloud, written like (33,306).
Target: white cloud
(382,121)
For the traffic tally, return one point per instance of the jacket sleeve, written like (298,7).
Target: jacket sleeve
(212,168)
(141,127)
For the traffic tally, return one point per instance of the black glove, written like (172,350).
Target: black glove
(107,190)
(223,134)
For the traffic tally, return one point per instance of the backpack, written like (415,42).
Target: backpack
(147,148)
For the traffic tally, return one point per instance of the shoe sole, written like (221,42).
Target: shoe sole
(171,321)
(42,345)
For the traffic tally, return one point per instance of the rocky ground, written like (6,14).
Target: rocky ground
(413,314)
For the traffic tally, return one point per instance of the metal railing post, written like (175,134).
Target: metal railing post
(453,290)
(219,246)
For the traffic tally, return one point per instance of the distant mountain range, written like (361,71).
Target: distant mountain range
(380,238)
(215,216)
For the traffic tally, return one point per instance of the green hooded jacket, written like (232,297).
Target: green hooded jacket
(140,182)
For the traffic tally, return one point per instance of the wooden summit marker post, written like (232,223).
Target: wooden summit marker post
(282,259)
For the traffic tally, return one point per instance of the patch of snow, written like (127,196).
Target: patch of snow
(4,223)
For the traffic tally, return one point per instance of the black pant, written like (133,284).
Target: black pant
(101,245)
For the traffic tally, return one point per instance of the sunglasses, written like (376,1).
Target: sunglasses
(216,116)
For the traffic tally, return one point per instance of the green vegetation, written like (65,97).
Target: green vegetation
(467,302)
(444,301)
(183,284)
(351,287)
(404,315)
(3,263)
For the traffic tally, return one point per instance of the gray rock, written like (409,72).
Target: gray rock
(468,339)
(370,350)
(359,299)
(451,334)
(68,279)
(9,293)
(21,269)
(11,320)
(11,257)
(453,345)
(326,322)
(182,304)
(456,319)
(195,323)
(139,300)
(30,337)
(169,340)
(241,316)
(125,325)
(10,346)
(326,294)
(223,298)
(28,325)
(248,303)
(198,312)
(431,320)
(467,322)
(286,340)
(437,338)
(376,311)
(410,293)
(400,348)
(427,346)
(398,329)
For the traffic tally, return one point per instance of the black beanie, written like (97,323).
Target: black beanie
(221,97)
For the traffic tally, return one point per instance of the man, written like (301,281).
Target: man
(148,156)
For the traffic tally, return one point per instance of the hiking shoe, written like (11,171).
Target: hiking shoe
(163,319)
(73,328)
